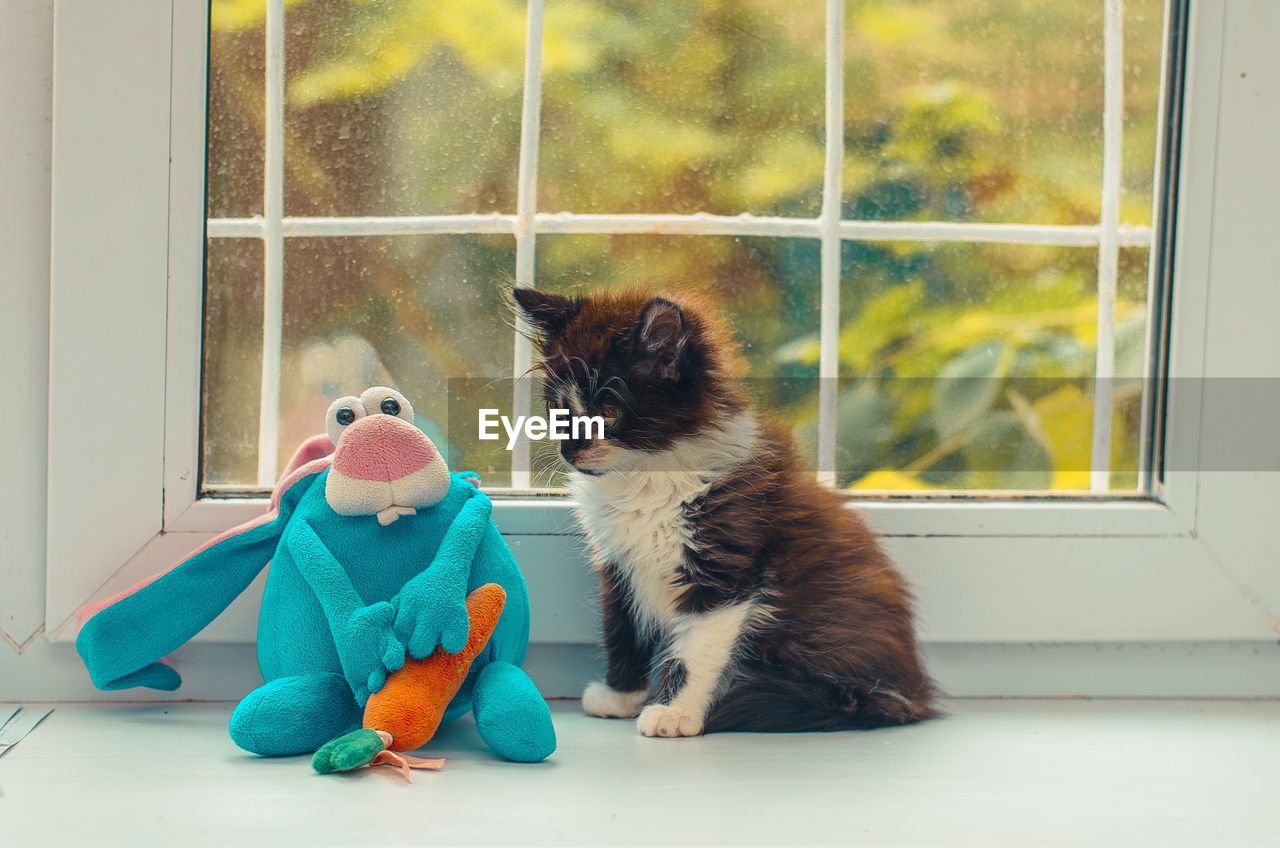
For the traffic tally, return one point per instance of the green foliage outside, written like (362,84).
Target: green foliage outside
(964,366)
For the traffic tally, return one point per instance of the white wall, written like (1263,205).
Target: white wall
(26,102)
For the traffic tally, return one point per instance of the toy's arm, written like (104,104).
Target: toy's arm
(122,642)
(367,646)
(431,608)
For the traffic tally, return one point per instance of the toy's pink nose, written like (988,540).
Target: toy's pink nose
(381,448)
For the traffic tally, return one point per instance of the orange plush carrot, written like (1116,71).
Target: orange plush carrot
(412,702)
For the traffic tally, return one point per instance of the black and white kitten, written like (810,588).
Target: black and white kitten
(752,593)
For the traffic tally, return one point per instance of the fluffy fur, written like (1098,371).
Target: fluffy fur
(737,592)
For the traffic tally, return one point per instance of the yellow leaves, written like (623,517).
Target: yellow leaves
(1060,421)
(568,43)
(240,15)
(487,35)
(960,105)
(885,317)
(388,41)
(806,350)
(657,142)
(347,80)
(940,124)
(235,15)
(889,480)
(858,172)
(989,394)
(1135,209)
(1063,422)
(896,24)
(688,73)
(941,333)
(790,165)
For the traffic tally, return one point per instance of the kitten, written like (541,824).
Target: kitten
(755,595)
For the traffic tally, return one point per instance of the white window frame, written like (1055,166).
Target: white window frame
(126,296)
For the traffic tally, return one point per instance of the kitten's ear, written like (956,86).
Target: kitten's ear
(549,313)
(661,338)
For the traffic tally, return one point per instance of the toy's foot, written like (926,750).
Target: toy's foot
(294,715)
(511,715)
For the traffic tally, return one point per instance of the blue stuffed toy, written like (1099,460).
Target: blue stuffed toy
(374,547)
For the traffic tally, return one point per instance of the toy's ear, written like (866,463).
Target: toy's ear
(316,447)
(312,456)
(123,638)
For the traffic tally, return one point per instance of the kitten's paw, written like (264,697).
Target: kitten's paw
(668,721)
(602,702)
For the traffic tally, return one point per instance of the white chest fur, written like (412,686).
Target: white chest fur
(640,528)
(635,517)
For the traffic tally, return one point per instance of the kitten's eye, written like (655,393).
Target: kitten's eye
(611,415)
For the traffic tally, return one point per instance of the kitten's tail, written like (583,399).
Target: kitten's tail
(772,704)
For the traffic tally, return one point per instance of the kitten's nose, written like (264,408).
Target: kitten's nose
(576,452)
(570,449)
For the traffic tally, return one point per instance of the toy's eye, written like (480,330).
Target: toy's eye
(385,401)
(342,413)
(611,415)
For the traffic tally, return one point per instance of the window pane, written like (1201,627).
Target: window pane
(1143,54)
(955,110)
(399,108)
(682,107)
(236,105)
(423,314)
(1133,383)
(232,363)
(971,367)
(420,313)
(766,290)
(986,110)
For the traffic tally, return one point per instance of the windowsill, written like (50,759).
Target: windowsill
(544,514)
(990,773)
(221,670)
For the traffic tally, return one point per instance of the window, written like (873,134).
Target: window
(1191,559)
(938,258)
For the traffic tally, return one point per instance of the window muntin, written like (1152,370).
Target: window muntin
(937,142)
